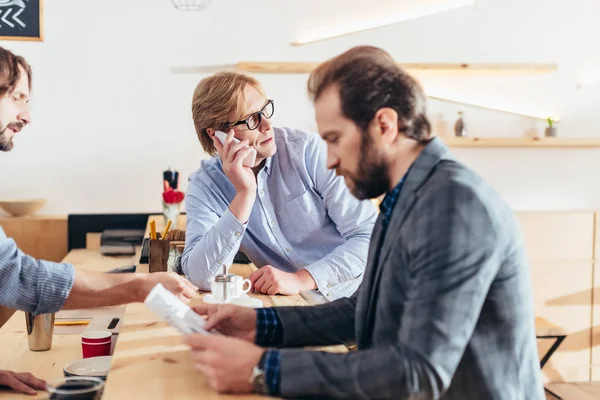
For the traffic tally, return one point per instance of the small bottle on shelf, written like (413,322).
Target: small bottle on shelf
(460,129)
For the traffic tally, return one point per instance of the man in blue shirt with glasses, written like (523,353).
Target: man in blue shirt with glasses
(291,216)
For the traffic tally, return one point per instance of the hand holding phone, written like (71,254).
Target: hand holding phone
(237,160)
(249,160)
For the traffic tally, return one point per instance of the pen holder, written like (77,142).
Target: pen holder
(158,255)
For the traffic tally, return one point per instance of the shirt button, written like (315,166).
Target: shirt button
(328,294)
(219,261)
(262,192)
(237,234)
(272,222)
(329,285)
(287,249)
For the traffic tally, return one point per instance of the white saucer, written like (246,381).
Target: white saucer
(243,300)
(95,366)
(251,302)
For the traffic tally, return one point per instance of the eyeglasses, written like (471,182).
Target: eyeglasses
(253,121)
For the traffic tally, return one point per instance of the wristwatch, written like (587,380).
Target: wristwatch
(257,379)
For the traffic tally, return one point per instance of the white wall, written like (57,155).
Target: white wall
(111,112)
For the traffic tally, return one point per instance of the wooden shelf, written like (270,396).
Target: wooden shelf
(544,142)
(498,69)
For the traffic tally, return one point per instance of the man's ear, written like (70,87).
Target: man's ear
(210,131)
(387,123)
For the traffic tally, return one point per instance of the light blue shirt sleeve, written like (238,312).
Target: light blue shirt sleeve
(211,241)
(32,285)
(339,273)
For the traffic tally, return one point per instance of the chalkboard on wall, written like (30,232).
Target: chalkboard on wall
(21,20)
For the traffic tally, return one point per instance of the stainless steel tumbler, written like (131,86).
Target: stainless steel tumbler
(40,329)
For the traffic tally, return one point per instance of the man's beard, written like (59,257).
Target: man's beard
(7,144)
(372,178)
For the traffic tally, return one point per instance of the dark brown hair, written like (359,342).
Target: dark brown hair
(368,80)
(10,72)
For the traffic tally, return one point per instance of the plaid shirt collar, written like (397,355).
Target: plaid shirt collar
(389,201)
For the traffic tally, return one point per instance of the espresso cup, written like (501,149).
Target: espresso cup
(238,283)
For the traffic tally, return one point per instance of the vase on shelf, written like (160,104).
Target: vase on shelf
(460,130)
(440,126)
(172,198)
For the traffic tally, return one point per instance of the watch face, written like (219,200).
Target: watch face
(258,381)
(255,372)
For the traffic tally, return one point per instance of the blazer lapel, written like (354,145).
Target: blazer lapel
(367,284)
(418,174)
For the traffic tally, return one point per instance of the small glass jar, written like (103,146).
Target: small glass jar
(177,265)
(172,256)
(171,213)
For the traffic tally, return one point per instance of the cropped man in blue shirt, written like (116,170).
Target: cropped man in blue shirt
(41,286)
(290,215)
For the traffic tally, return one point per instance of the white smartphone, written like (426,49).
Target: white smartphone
(249,160)
(178,314)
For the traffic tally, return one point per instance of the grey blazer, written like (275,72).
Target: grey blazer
(444,310)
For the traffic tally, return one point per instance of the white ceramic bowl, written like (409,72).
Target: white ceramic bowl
(96,367)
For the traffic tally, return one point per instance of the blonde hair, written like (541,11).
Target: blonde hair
(215,100)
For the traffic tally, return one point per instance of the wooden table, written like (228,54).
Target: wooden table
(149,361)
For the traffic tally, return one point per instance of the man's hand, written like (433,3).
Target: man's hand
(22,382)
(232,155)
(174,283)
(226,363)
(241,177)
(230,320)
(270,280)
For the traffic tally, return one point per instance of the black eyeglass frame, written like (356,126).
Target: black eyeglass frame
(260,114)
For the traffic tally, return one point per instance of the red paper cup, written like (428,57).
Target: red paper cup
(96,343)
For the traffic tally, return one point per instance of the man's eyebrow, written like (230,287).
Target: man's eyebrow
(326,134)
(252,113)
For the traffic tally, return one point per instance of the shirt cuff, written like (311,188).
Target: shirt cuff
(55,282)
(229,226)
(268,328)
(331,286)
(271,366)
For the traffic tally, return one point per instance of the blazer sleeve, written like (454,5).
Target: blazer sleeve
(322,325)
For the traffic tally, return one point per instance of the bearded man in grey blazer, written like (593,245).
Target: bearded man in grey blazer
(444,310)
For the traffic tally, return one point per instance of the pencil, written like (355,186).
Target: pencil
(71,322)
(153,230)
(166,230)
